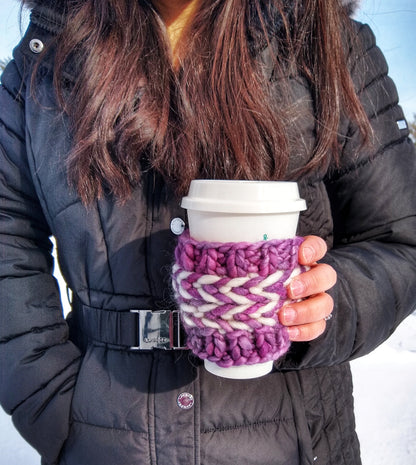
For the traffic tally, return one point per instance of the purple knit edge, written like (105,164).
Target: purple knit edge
(240,347)
(193,255)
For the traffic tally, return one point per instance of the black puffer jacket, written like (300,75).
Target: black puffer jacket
(80,400)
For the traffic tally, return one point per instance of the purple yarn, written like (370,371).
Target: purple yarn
(238,347)
(229,295)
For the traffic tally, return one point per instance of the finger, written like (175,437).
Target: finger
(318,279)
(307,332)
(307,311)
(312,249)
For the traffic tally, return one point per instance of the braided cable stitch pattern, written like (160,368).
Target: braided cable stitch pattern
(229,295)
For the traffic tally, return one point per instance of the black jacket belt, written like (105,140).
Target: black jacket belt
(133,329)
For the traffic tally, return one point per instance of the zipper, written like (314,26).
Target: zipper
(150,206)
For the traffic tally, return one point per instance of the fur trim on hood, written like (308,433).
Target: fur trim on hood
(351,5)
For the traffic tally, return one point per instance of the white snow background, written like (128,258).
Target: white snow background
(384,392)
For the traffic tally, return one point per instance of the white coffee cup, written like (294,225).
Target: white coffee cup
(242,211)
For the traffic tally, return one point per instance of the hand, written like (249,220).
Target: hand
(306,319)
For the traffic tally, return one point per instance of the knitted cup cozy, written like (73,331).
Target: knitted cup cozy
(229,295)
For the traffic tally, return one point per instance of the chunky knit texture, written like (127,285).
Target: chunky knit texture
(229,295)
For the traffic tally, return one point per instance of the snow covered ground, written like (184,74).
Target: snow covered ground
(385,397)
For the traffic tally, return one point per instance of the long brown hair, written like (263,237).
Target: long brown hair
(213,116)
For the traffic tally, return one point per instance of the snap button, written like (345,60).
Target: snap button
(36,45)
(177,226)
(185,400)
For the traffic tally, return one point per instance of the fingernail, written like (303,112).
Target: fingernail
(297,287)
(293,333)
(289,315)
(308,254)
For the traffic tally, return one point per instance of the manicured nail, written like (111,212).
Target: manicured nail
(297,287)
(308,254)
(293,333)
(289,315)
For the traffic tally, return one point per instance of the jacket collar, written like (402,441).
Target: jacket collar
(50,15)
(350,5)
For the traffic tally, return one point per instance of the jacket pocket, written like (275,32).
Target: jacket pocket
(262,419)
(109,409)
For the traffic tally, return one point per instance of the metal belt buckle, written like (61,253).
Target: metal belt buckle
(158,330)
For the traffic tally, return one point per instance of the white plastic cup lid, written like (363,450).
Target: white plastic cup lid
(243,196)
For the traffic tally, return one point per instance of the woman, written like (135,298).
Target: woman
(108,110)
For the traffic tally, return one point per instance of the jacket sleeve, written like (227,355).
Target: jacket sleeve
(373,201)
(38,365)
